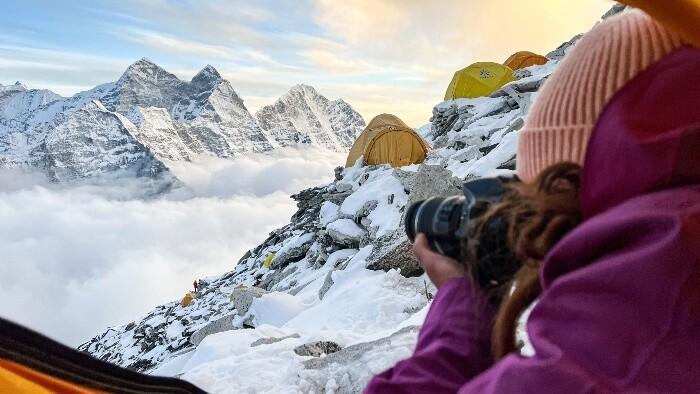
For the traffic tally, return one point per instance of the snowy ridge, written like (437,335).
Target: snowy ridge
(163,117)
(335,296)
(303,116)
(16,99)
(341,281)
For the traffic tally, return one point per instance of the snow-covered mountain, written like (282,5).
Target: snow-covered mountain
(335,296)
(71,138)
(129,127)
(303,116)
(15,99)
(179,119)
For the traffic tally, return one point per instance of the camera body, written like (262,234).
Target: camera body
(446,220)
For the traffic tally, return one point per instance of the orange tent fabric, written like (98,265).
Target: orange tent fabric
(16,378)
(388,140)
(524,59)
(187,299)
(33,363)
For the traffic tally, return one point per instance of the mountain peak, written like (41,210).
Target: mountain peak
(304,89)
(304,116)
(144,69)
(144,61)
(207,76)
(141,64)
(209,69)
(19,86)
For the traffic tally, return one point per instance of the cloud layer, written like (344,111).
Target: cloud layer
(76,260)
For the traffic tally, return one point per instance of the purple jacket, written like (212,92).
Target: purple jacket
(620,306)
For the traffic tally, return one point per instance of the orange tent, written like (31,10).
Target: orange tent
(524,59)
(188,298)
(387,139)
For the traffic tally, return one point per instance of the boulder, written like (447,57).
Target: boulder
(345,232)
(293,250)
(277,276)
(267,341)
(328,213)
(563,48)
(242,298)
(616,9)
(406,178)
(219,325)
(338,172)
(433,180)
(466,154)
(393,251)
(366,359)
(316,349)
(328,282)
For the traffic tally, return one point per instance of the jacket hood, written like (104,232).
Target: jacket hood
(648,136)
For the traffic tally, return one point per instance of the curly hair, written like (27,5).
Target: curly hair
(509,240)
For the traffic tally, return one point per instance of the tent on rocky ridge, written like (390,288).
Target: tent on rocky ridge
(524,59)
(479,79)
(387,139)
(187,299)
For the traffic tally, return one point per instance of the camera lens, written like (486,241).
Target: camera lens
(444,220)
(439,219)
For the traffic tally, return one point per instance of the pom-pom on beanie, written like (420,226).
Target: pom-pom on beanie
(567,107)
(680,16)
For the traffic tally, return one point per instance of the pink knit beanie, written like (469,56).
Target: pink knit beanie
(568,105)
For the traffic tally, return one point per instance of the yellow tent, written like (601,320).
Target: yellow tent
(479,79)
(524,59)
(387,139)
(188,298)
(268,260)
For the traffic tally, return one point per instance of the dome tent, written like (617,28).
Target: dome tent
(524,59)
(479,79)
(387,139)
(187,299)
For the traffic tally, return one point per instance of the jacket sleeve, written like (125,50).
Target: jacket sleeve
(453,345)
(619,312)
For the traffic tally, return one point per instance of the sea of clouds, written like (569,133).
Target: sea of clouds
(77,258)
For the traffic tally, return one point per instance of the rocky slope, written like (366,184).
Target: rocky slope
(303,116)
(340,272)
(335,296)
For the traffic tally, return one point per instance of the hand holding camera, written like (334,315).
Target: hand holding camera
(454,238)
(440,268)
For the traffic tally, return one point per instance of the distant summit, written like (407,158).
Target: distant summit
(133,126)
(303,116)
(208,76)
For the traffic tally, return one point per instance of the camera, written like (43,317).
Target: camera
(446,220)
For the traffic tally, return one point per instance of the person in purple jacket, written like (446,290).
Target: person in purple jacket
(618,305)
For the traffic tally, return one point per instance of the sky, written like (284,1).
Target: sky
(79,258)
(393,56)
